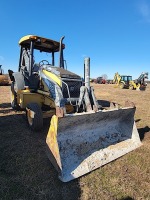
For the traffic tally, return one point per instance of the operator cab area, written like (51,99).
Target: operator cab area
(126,78)
(35,47)
(32,49)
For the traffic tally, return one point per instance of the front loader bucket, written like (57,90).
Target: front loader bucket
(80,143)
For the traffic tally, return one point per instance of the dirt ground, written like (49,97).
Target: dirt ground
(26,173)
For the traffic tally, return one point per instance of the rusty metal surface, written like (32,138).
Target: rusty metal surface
(4,80)
(87,141)
(59,112)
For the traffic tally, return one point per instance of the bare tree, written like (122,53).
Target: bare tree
(104,76)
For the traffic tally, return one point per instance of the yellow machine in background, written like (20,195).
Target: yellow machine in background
(117,78)
(83,135)
(140,82)
(4,79)
(124,81)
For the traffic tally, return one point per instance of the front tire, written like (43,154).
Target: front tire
(131,87)
(35,122)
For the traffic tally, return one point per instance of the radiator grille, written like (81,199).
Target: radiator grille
(73,87)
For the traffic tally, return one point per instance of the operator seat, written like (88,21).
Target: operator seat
(23,79)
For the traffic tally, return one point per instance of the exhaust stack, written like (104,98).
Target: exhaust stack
(87,72)
(61,58)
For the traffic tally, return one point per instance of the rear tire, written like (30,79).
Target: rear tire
(14,103)
(121,85)
(35,123)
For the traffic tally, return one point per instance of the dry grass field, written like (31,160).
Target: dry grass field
(26,173)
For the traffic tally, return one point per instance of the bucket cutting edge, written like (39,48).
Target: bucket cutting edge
(79,144)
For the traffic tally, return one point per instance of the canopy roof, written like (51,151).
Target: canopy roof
(126,76)
(40,43)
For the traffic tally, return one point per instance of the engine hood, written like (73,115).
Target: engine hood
(65,73)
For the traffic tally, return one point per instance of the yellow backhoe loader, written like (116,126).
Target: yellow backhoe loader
(83,135)
(124,81)
(139,83)
(4,79)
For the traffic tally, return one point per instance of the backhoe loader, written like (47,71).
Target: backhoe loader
(83,135)
(124,81)
(139,83)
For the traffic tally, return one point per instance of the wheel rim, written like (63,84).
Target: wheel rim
(30,120)
(121,86)
(131,87)
(138,86)
(12,97)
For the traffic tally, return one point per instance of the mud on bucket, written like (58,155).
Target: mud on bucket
(80,143)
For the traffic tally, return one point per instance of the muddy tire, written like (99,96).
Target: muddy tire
(36,122)
(14,103)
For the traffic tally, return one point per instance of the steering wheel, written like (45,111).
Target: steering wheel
(43,62)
